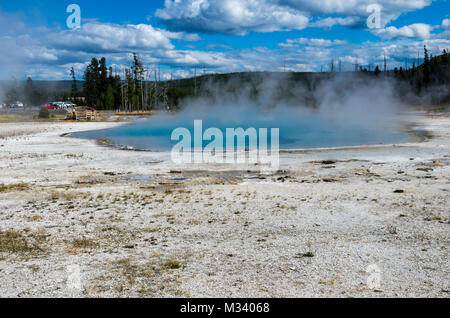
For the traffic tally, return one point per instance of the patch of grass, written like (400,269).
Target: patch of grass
(64,195)
(112,236)
(433,218)
(14,242)
(22,186)
(150,278)
(84,243)
(131,271)
(34,218)
(16,118)
(172,264)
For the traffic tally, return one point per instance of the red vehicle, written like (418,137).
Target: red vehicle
(49,106)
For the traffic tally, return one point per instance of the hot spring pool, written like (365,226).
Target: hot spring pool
(295,132)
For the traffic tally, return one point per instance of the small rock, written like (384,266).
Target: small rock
(399,191)
(425,169)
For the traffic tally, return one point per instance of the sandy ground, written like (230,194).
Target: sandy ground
(82,220)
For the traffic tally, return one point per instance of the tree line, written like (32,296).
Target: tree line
(139,88)
(135,91)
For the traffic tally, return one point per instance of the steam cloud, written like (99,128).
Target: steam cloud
(341,109)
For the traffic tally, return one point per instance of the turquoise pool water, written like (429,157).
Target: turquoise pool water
(297,131)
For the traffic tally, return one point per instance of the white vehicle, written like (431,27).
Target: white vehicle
(58,104)
(16,105)
(69,105)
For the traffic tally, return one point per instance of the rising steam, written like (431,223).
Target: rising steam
(339,110)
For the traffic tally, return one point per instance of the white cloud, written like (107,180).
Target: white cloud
(329,22)
(417,30)
(42,48)
(311,42)
(231,16)
(241,16)
(101,37)
(446,24)
(391,9)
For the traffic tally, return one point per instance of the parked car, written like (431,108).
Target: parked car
(58,105)
(16,105)
(49,106)
(63,105)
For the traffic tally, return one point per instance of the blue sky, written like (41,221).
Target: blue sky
(217,36)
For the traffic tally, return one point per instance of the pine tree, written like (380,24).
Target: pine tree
(426,66)
(90,85)
(102,82)
(377,71)
(109,97)
(426,58)
(28,92)
(74,83)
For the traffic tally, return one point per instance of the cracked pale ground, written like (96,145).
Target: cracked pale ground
(136,225)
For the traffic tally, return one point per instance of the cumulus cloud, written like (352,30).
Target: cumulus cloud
(37,50)
(311,42)
(230,16)
(446,24)
(417,30)
(349,7)
(102,37)
(242,16)
(329,22)
(391,9)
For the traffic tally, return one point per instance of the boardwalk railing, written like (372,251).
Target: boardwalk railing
(81,114)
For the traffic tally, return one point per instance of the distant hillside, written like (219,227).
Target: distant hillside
(57,86)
